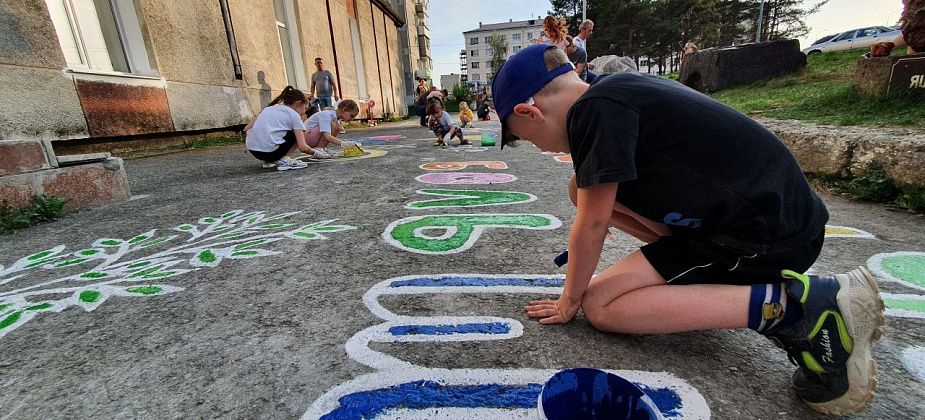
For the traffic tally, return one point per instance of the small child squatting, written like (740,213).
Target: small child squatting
(728,219)
(442,125)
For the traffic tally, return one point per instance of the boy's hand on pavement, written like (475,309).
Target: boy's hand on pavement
(553,311)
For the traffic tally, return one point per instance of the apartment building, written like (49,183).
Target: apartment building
(475,59)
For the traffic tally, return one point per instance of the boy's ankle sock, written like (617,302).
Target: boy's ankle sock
(770,307)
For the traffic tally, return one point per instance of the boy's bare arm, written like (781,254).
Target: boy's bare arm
(595,206)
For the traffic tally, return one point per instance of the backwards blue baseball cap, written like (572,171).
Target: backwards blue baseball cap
(518,79)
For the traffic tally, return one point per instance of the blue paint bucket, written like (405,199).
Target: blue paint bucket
(584,393)
(488,139)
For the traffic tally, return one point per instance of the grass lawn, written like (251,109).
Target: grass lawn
(824,93)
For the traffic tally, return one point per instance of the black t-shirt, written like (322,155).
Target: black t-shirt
(707,171)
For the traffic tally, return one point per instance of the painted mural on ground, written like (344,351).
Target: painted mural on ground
(400,389)
(906,268)
(367,154)
(468,198)
(465,178)
(832,231)
(458,166)
(453,233)
(560,157)
(914,361)
(138,266)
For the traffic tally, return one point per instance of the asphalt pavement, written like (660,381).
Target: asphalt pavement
(390,285)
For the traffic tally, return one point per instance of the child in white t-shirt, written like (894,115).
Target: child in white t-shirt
(440,122)
(321,126)
(278,132)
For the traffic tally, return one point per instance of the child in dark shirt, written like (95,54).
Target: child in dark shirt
(728,219)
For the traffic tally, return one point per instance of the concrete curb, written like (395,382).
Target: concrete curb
(847,151)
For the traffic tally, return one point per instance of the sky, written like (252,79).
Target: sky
(448,19)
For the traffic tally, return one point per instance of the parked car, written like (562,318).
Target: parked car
(853,39)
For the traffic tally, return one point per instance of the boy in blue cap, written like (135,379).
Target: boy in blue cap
(728,219)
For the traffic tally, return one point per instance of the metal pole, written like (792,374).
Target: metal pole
(760,18)
(584,10)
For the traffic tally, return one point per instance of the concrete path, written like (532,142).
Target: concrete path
(359,288)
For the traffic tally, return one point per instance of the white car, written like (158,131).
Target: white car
(854,39)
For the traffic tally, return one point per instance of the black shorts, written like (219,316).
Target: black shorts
(281,149)
(684,261)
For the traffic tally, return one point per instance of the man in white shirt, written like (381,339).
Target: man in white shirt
(585,30)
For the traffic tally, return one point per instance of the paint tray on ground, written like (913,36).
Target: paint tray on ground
(488,139)
(584,393)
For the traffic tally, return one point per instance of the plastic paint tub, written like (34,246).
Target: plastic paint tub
(584,393)
(488,139)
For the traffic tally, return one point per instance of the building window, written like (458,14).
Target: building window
(358,58)
(516,48)
(101,35)
(529,36)
(488,76)
(474,53)
(474,65)
(488,52)
(515,37)
(503,37)
(474,77)
(474,40)
(488,40)
(288,40)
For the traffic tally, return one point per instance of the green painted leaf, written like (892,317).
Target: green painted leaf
(155,241)
(329,228)
(207,256)
(138,239)
(93,275)
(274,225)
(251,244)
(10,320)
(144,290)
(232,213)
(233,235)
(244,253)
(208,220)
(70,262)
(221,229)
(160,274)
(89,296)
(39,255)
(88,252)
(147,271)
(139,264)
(4,306)
(42,262)
(306,235)
(39,307)
(111,242)
(185,227)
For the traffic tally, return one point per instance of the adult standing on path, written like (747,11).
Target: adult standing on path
(323,86)
(421,92)
(585,30)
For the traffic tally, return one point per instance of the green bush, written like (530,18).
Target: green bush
(873,185)
(44,209)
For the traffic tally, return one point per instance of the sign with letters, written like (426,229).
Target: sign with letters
(907,74)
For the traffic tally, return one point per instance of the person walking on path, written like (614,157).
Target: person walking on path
(323,85)
(728,220)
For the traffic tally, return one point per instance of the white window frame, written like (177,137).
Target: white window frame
(82,42)
(358,58)
(292,27)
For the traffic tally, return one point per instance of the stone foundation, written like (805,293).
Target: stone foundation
(30,168)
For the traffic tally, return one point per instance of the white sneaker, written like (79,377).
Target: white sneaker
(268,165)
(322,154)
(289,163)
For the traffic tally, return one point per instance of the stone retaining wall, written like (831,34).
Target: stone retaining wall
(847,151)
